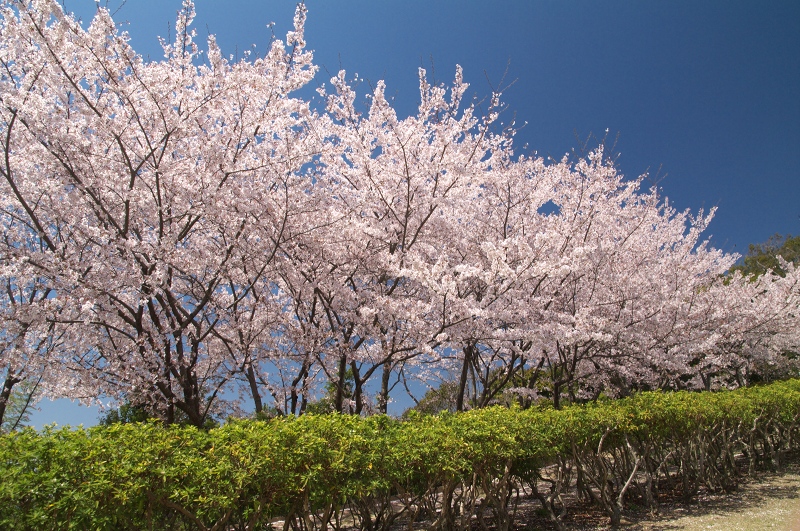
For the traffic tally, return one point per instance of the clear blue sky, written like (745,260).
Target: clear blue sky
(704,94)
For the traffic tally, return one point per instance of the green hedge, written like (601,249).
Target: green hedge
(313,471)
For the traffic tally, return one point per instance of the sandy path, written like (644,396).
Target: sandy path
(767,501)
(771,501)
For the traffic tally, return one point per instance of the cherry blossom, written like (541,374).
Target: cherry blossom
(180,229)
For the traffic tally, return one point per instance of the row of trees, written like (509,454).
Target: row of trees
(182,229)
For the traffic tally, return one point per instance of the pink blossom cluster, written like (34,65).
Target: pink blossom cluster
(181,231)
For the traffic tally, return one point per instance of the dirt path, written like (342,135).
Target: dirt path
(767,501)
(770,501)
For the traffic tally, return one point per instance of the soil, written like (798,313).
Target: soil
(762,501)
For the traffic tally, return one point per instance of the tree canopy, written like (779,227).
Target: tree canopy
(764,257)
(183,230)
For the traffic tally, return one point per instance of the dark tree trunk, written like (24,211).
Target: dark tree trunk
(358,395)
(557,395)
(251,379)
(294,396)
(342,377)
(383,399)
(8,385)
(462,382)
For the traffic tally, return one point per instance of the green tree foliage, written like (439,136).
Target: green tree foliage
(21,403)
(763,257)
(437,400)
(505,391)
(327,404)
(127,413)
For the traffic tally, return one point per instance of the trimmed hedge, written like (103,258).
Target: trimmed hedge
(345,471)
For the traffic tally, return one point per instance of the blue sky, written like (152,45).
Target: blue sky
(705,96)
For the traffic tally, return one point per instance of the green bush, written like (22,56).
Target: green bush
(308,470)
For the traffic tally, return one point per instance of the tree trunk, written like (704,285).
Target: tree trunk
(342,376)
(556,395)
(251,379)
(357,388)
(293,397)
(9,383)
(462,383)
(383,398)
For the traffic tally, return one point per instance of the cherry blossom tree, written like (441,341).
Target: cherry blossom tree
(157,193)
(755,330)
(29,341)
(179,229)
(578,275)
(396,187)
